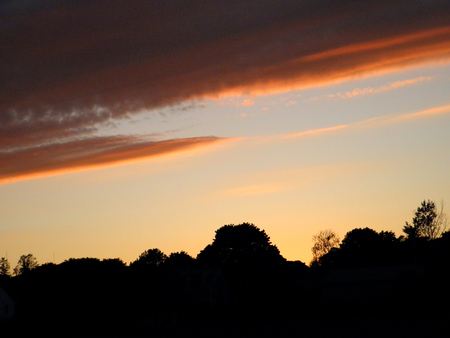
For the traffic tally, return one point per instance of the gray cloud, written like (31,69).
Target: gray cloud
(75,55)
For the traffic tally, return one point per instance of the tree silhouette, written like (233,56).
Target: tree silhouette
(4,267)
(152,258)
(249,261)
(428,222)
(358,239)
(363,248)
(324,241)
(179,260)
(25,264)
(240,245)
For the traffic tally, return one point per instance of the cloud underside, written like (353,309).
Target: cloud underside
(71,67)
(89,153)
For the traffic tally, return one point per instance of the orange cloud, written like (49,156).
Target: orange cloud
(247,103)
(423,113)
(89,153)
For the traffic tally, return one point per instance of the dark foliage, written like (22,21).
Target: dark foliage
(364,248)
(250,262)
(5,267)
(427,223)
(150,259)
(237,246)
(25,264)
(179,260)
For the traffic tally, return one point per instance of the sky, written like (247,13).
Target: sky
(131,125)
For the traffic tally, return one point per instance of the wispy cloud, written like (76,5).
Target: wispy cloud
(247,103)
(277,180)
(370,90)
(316,131)
(377,121)
(423,113)
(391,119)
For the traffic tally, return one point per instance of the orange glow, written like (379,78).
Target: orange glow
(376,121)
(424,113)
(67,158)
(248,103)
(257,189)
(358,60)
(379,44)
(316,131)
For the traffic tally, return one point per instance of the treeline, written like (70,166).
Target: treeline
(156,294)
(241,286)
(425,241)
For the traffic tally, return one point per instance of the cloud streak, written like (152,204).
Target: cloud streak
(370,90)
(89,153)
(377,121)
(423,113)
(316,131)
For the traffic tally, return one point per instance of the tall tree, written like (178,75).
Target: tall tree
(25,264)
(240,245)
(428,221)
(250,262)
(150,258)
(4,267)
(324,241)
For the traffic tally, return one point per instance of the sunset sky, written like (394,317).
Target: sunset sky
(131,125)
